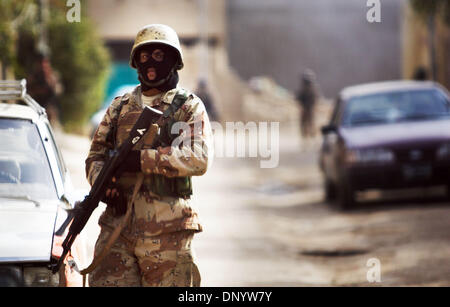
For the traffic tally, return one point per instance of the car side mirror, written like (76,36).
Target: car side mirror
(328,129)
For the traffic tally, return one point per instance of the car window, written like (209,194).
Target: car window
(59,159)
(395,107)
(24,167)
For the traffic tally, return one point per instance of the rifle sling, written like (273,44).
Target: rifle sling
(116,233)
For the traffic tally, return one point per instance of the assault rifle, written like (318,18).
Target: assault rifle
(79,216)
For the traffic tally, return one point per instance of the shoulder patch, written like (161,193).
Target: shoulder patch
(125,98)
(115,102)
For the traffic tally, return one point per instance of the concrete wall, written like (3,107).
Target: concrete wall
(121,19)
(281,38)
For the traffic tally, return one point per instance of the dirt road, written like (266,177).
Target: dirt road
(270,227)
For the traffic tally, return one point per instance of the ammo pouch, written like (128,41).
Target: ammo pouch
(180,187)
(165,186)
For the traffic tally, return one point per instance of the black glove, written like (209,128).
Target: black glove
(115,198)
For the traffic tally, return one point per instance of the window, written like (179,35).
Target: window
(24,167)
(59,159)
(394,107)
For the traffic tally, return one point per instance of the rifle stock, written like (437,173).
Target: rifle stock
(79,216)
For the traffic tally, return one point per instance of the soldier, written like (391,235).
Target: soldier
(203,93)
(307,97)
(154,248)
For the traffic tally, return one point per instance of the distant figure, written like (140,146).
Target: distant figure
(203,93)
(420,74)
(307,97)
(44,86)
(43,82)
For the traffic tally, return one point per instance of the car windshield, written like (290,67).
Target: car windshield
(395,107)
(24,168)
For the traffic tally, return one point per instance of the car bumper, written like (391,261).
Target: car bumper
(397,176)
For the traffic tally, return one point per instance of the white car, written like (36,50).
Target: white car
(35,192)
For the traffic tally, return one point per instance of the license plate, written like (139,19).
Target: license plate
(412,172)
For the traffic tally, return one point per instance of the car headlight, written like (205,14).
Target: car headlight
(378,155)
(39,277)
(443,152)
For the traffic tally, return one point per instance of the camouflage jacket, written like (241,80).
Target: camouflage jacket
(189,158)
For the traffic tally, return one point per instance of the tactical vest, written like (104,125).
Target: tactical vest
(160,185)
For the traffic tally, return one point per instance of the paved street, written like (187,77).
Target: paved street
(271,227)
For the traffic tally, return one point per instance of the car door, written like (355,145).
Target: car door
(330,144)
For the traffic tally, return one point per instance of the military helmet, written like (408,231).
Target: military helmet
(308,75)
(160,34)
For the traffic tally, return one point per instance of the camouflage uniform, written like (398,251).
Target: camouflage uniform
(155,248)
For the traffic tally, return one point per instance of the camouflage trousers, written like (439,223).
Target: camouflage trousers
(165,260)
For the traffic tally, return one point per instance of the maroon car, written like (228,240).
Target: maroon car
(387,135)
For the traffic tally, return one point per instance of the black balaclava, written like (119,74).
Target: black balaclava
(166,73)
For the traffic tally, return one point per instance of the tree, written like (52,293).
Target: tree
(83,63)
(75,52)
(12,15)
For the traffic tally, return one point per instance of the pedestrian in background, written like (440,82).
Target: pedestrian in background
(203,93)
(307,97)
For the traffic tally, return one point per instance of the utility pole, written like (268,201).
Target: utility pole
(203,62)
(432,45)
(44,16)
(3,70)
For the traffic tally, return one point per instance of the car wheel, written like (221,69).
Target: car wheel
(346,196)
(330,189)
(10,277)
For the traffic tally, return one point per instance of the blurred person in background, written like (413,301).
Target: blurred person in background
(154,248)
(43,82)
(44,85)
(307,97)
(203,93)
(420,74)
